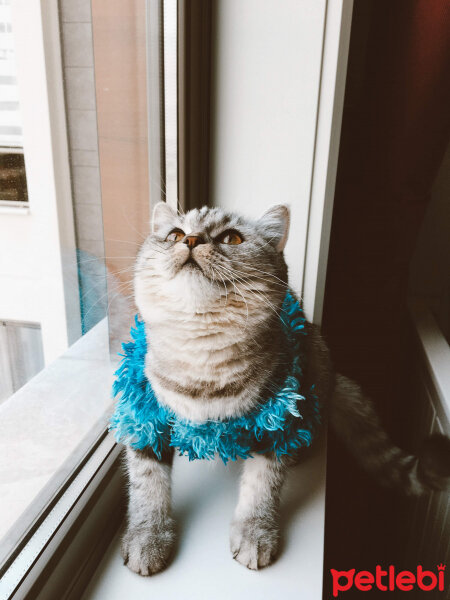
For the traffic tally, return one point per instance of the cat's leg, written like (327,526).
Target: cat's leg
(149,538)
(255,528)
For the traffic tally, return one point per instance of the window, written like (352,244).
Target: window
(65,264)
(13,184)
(21,355)
(117,113)
(55,366)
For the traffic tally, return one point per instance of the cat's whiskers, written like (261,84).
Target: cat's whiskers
(236,291)
(233,278)
(129,269)
(283,285)
(264,272)
(224,285)
(161,185)
(249,335)
(107,294)
(102,258)
(156,242)
(269,241)
(258,294)
(262,293)
(140,234)
(123,241)
(245,280)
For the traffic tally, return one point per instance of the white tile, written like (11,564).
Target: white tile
(86,185)
(80,87)
(84,158)
(75,10)
(77,45)
(83,129)
(92,248)
(88,218)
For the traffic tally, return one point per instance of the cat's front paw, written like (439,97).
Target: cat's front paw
(254,542)
(146,549)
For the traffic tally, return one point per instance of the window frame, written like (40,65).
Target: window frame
(48,541)
(79,505)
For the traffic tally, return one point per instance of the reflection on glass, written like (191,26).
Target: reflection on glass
(13,182)
(55,363)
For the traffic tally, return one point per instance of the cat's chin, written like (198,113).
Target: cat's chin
(191,265)
(191,273)
(192,289)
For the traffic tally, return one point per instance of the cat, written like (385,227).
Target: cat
(209,286)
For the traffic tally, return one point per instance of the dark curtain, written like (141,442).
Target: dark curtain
(396,127)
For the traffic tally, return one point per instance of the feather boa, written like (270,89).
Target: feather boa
(281,424)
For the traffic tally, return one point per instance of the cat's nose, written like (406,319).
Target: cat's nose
(192,240)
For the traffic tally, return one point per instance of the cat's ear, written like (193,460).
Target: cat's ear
(162,214)
(275,223)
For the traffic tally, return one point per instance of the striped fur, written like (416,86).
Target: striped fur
(354,419)
(214,329)
(212,313)
(148,541)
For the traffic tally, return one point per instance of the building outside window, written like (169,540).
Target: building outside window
(13,184)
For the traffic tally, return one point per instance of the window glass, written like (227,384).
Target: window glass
(13,185)
(10,121)
(78,161)
(21,355)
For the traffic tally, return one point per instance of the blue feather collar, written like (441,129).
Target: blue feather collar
(281,424)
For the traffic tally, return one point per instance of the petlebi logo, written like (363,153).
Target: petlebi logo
(388,580)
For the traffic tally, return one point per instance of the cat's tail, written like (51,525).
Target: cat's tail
(355,421)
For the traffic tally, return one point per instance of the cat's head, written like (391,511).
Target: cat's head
(207,256)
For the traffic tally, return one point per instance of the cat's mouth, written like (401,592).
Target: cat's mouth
(191,263)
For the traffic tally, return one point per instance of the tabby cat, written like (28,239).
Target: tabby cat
(209,286)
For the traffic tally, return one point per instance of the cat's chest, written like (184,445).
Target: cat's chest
(204,373)
(199,350)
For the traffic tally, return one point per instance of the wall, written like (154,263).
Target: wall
(272,141)
(79,84)
(430,268)
(79,80)
(38,277)
(426,519)
(119,35)
(266,73)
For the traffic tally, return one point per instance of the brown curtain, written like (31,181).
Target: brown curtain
(396,128)
(395,133)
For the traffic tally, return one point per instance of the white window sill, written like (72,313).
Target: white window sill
(44,422)
(204,499)
(204,493)
(14,208)
(436,357)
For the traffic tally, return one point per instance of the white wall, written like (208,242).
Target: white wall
(266,76)
(430,267)
(278,73)
(38,277)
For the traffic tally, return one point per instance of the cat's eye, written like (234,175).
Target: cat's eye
(230,237)
(175,235)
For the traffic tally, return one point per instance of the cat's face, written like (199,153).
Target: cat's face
(209,255)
